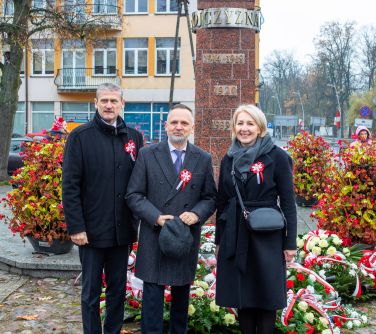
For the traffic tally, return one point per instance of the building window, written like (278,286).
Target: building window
(104,6)
(148,118)
(43,115)
(136,6)
(42,57)
(167,6)
(104,57)
(8,7)
(19,119)
(136,56)
(43,4)
(80,112)
(165,56)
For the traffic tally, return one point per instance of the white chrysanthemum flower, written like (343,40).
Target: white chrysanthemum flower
(324,322)
(303,306)
(352,272)
(316,250)
(288,273)
(335,331)
(191,310)
(302,254)
(337,241)
(229,319)
(300,243)
(323,243)
(199,292)
(354,314)
(322,273)
(310,289)
(305,237)
(208,247)
(364,318)
(353,266)
(349,324)
(357,323)
(315,240)
(326,265)
(331,250)
(372,276)
(324,236)
(309,317)
(214,307)
(346,251)
(312,278)
(327,331)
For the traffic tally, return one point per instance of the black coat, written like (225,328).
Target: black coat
(152,192)
(262,281)
(96,171)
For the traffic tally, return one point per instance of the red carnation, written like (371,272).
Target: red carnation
(168,298)
(310,329)
(290,284)
(300,277)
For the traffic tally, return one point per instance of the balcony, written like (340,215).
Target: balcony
(85,79)
(100,15)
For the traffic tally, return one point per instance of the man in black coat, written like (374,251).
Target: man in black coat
(157,193)
(98,161)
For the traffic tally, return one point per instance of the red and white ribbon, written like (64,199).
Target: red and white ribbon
(257,168)
(185,177)
(130,148)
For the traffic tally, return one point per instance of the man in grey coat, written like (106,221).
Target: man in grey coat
(171,179)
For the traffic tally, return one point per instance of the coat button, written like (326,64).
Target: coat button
(166,204)
(160,182)
(193,186)
(186,205)
(119,166)
(118,195)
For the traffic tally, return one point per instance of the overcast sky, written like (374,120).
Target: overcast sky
(292,24)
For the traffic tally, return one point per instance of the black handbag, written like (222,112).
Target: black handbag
(261,219)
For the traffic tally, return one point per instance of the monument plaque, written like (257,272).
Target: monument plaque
(225,71)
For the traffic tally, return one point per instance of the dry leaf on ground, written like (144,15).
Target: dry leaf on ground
(28,317)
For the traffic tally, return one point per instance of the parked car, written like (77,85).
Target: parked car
(14,158)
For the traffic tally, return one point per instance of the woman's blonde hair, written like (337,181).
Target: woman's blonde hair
(255,113)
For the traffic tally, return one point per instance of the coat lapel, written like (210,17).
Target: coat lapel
(192,156)
(163,157)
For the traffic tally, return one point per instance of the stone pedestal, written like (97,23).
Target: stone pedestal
(225,77)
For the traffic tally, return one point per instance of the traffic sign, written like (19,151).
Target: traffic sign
(270,125)
(365,111)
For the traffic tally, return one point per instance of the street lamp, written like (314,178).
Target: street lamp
(279,105)
(301,103)
(339,107)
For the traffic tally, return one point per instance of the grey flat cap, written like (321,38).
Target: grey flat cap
(175,238)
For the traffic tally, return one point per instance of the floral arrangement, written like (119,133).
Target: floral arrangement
(313,283)
(36,202)
(347,204)
(345,267)
(313,164)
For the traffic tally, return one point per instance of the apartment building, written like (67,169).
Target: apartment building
(133,48)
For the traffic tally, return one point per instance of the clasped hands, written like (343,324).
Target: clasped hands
(188,218)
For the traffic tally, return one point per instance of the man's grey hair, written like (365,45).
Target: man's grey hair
(109,87)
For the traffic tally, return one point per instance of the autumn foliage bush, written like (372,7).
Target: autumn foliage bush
(36,202)
(313,164)
(347,205)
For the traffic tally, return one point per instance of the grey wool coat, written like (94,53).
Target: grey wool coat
(152,192)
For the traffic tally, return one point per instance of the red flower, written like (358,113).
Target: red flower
(168,298)
(290,284)
(337,322)
(327,290)
(310,329)
(134,303)
(300,277)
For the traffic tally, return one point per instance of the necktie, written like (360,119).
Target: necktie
(178,162)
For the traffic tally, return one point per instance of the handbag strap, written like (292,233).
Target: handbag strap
(244,210)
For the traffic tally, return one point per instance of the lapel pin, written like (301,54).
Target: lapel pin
(130,148)
(257,168)
(185,177)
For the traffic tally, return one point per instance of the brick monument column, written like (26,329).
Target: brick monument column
(225,69)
